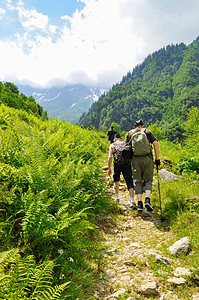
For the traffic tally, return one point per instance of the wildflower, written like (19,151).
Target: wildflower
(61,276)
(71,259)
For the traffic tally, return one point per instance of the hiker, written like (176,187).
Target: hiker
(120,165)
(111,133)
(142,162)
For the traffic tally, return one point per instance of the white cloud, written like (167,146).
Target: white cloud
(20,3)
(53,28)
(9,5)
(31,19)
(99,44)
(2,12)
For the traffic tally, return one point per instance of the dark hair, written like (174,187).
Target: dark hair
(117,136)
(138,123)
(112,126)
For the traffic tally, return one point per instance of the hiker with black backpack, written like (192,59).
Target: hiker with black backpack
(142,161)
(120,165)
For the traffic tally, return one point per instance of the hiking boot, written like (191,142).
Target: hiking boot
(148,205)
(133,205)
(117,200)
(140,206)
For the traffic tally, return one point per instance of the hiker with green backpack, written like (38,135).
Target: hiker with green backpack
(141,140)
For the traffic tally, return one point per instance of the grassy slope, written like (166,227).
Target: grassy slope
(50,171)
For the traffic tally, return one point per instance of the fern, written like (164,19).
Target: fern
(8,257)
(36,222)
(50,191)
(26,279)
(53,293)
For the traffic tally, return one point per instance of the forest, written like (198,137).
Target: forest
(161,90)
(54,195)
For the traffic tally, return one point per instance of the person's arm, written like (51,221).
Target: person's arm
(110,159)
(126,140)
(156,149)
(152,140)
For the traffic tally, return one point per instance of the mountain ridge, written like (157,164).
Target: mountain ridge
(66,103)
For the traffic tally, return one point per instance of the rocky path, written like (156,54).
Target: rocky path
(136,261)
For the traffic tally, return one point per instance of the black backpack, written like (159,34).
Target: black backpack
(117,154)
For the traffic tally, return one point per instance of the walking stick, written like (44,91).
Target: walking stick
(161,218)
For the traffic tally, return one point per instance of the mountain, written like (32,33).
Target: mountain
(161,90)
(67,103)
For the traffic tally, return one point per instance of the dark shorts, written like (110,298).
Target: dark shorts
(126,171)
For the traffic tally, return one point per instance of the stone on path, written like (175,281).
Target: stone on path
(181,246)
(177,280)
(169,296)
(119,292)
(130,263)
(180,271)
(161,259)
(150,289)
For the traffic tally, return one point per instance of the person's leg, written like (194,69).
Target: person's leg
(116,188)
(139,197)
(132,200)
(127,173)
(131,192)
(116,178)
(148,193)
(137,178)
(148,178)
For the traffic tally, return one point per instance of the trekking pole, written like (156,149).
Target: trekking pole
(161,218)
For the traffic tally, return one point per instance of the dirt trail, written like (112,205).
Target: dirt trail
(129,240)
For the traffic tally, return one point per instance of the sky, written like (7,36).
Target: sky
(47,43)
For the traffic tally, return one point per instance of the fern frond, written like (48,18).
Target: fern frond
(53,293)
(9,256)
(4,278)
(41,278)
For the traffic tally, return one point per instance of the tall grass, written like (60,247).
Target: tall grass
(180,198)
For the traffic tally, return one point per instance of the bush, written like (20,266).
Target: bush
(188,165)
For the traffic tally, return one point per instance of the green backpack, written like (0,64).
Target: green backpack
(140,143)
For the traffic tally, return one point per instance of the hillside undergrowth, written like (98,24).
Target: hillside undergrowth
(54,196)
(51,191)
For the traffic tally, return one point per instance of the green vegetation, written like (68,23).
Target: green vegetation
(53,196)
(52,192)
(161,90)
(9,95)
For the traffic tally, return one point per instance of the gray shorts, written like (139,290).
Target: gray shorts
(142,167)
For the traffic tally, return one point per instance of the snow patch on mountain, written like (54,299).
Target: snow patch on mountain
(66,103)
(73,104)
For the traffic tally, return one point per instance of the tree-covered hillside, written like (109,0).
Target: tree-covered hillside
(10,96)
(161,90)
